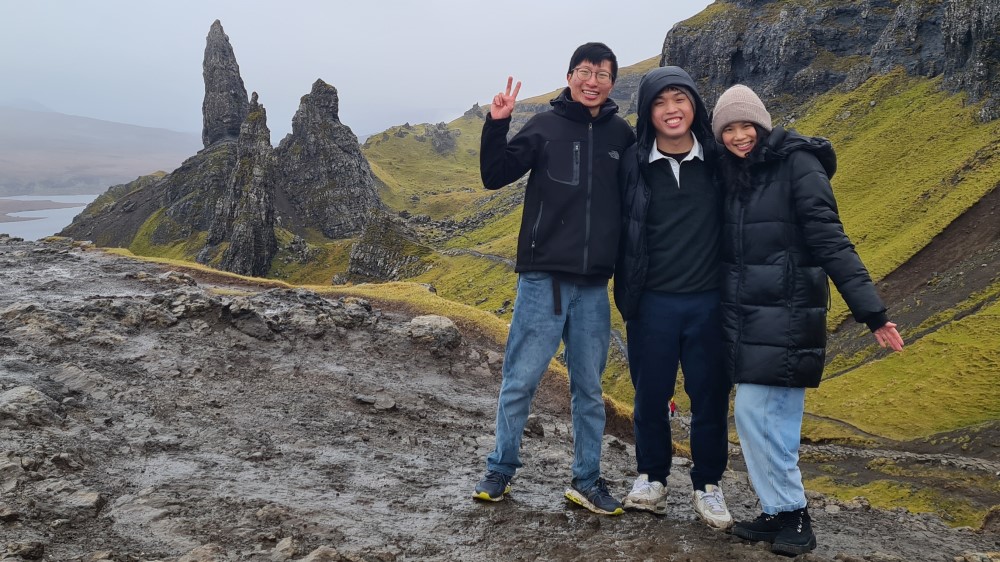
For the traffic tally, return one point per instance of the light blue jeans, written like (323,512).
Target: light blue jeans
(769,424)
(535,332)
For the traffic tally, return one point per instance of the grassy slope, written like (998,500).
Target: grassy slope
(950,373)
(409,168)
(897,187)
(911,160)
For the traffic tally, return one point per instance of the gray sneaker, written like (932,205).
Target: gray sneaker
(596,498)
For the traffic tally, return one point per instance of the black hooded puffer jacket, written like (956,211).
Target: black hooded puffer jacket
(780,241)
(633,256)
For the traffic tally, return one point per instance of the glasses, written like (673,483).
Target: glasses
(603,76)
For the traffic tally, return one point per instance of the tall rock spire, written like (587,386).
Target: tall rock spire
(244,215)
(225,106)
(325,178)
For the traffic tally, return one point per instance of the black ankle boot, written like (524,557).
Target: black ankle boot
(796,535)
(764,528)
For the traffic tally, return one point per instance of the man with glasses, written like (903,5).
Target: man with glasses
(566,252)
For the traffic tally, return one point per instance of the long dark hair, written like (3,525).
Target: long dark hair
(736,170)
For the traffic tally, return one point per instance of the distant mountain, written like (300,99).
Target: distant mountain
(43,152)
(25,104)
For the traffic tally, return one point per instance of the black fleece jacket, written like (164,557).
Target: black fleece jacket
(571,218)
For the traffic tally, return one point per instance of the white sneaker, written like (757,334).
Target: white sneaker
(710,505)
(647,496)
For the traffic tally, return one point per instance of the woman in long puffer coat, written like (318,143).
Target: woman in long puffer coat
(782,239)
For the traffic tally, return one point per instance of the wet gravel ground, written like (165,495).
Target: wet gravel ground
(147,416)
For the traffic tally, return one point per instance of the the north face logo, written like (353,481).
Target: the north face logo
(613,154)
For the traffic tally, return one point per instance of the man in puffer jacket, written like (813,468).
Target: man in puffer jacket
(782,237)
(667,289)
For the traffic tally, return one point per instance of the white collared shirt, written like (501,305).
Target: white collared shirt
(696,152)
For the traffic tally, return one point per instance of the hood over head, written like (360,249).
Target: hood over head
(652,83)
(782,142)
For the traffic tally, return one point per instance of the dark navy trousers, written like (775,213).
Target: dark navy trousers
(685,329)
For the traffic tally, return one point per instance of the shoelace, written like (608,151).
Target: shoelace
(714,501)
(496,477)
(602,488)
(641,486)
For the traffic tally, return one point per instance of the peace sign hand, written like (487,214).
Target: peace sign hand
(503,103)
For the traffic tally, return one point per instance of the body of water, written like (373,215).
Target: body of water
(47,221)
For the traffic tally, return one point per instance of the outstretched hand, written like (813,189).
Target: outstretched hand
(503,103)
(887,336)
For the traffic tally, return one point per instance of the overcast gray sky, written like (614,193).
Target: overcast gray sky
(392,61)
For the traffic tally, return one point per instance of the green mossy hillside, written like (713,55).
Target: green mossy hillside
(911,159)
(944,381)
(179,247)
(304,263)
(420,179)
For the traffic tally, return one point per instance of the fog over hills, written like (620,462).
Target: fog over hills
(43,152)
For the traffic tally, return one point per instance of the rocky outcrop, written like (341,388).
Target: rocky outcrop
(476,111)
(159,211)
(326,181)
(225,105)
(442,139)
(227,205)
(791,50)
(386,250)
(971,30)
(244,216)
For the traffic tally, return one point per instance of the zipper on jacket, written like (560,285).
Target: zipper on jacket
(590,189)
(739,296)
(789,273)
(534,229)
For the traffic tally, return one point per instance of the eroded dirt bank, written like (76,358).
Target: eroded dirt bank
(144,416)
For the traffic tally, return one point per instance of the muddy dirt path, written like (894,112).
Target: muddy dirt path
(143,417)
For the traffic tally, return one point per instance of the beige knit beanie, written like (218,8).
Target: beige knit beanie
(738,103)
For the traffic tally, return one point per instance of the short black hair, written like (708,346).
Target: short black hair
(595,53)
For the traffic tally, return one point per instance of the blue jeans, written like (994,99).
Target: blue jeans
(535,333)
(769,423)
(670,329)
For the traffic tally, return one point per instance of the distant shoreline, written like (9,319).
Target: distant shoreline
(15,206)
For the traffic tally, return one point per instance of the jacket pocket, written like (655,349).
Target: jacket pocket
(563,162)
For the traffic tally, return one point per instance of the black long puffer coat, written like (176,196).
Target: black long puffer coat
(780,242)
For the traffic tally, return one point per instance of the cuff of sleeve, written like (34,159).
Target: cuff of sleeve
(877,320)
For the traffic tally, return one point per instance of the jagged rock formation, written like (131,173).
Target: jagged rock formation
(245,214)
(228,205)
(476,111)
(385,250)
(971,29)
(225,105)
(794,49)
(443,140)
(326,181)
